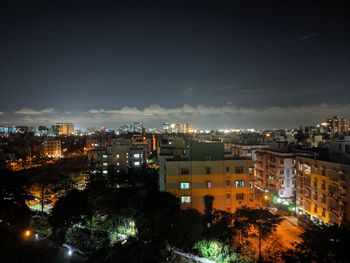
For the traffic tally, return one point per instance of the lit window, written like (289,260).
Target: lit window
(209,184)
(117,156)
(118,164)
(105,164)
(184,185)
(239,183)
(105,172)
(136,155)
(105,156)
(185,199)
(137,163)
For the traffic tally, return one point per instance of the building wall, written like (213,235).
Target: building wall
(65,128)
(323,190)
(275,172)
(51,148)
(220,182)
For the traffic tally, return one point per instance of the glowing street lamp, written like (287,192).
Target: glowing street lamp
(27,233)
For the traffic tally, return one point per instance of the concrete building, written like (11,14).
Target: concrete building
(338,124)
(275,172)
(51,148)
(117,156)
(246,150)
(207,172)
(184,127)
(65,128)
(323,190)
(138,127)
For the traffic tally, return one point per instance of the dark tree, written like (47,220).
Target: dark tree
(221,227)
(13,195)
(322,244)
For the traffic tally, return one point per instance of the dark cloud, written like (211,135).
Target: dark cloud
(81,55)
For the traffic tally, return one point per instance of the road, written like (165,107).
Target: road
(289,232)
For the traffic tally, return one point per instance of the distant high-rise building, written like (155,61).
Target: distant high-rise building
(166,127)
(184,127)
(138,127)
(338,124)
(174,128)
(65,128)
(125,128)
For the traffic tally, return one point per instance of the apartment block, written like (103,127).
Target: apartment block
(65,128)
(323,190)
(118,157)
(206,172)
(338,124)
(275,172)
(51,148)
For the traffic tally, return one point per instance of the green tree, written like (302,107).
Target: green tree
(216,251)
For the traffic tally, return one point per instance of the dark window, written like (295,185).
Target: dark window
(239,169)
(184,171)
(347,148)
(208,170)
(240,197)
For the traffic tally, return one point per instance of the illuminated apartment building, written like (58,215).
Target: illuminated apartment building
(275,172)
(65,129)
(116,156)
(323,190)
(51,148)
(338,124)
(207,172)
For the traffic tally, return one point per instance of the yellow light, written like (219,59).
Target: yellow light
(27,233)
(266,197)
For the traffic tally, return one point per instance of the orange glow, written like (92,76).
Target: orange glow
(27,233)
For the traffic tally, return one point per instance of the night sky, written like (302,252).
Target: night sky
(215,64)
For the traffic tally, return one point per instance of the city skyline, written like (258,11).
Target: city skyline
(213,64)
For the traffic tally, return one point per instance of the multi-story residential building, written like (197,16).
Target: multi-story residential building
(338,124)
(275,172)
(184,127)
(246,150)
(207,172)
(92,143)
(117,156)
(138,127)
(65,128)
(51,148)
(323,190)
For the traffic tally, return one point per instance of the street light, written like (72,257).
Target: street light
(27,233)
